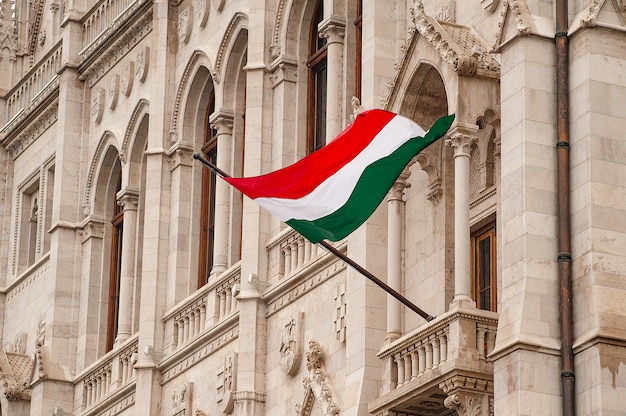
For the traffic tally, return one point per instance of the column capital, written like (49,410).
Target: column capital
(333,29)
(396,193)
(128,198)
(222,121)
(462,143)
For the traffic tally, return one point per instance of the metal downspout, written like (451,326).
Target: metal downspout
(563,190)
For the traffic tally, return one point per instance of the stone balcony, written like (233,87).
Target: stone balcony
(440,368)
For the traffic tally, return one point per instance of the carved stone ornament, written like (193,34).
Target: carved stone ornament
(143,62)
(290,345)
(126,80)
(490,5)
(201,8)
(184,25)
(113,91)
(317,386)
(181,400)
(97,105)
(15,375)
(227,384)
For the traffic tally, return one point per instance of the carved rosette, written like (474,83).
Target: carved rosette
(290,345)
(317,386)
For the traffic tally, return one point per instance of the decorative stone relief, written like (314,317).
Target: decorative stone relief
(275,46)
(97,105)
(201,8)
(468,396)
(126,81)
(184,25)
(15,375)
(39,343)
(143,62)
(113,91)
(341,307)
(181,400)
(357,108)
(435,192)
(25,136)
(317,385)
(227,384)
(238,17)
(290,345)
(20,343)
(42,38)
(284,69)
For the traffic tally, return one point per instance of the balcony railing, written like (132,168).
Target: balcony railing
(107,376)
(418,363)
(37,82)
(289,253)
(208,306)
(101,17)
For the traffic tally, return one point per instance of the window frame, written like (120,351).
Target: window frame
(317,65)
(115,266)
(481,234)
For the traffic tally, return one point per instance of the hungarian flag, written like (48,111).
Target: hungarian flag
(330,193)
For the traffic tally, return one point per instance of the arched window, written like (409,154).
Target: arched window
(117,228)
(207,216)
(316,112)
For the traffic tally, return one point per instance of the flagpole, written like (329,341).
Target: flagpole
(338,254)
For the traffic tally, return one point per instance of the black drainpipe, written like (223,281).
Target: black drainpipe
(563,189)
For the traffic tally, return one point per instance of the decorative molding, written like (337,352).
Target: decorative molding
(317,386)
(283,69)
(39,370)
(196,351)
(35,25)
(435,191)
(333,29)
(237,18)
(126,32)
(32,122)
(31,276)
(227,384)
(590,15)
(291,345)
(280,15)
(302,283)
(182,87)
(219,4)
(511,6)
(357,108)
(468,396)
(95,162)
(142,107)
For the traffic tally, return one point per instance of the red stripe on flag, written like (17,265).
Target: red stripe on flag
(299,179)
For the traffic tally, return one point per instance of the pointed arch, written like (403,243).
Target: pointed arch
(141,109)
(188,86)
(238,21)
(107,146)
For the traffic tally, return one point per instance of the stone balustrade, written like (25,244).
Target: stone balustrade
(289,253)
(207,307)
(102,16)
(36,83)
(109,374)
(417,365)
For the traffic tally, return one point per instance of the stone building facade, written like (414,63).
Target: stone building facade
(135,282)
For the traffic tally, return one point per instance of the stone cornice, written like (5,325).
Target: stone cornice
(32,121)
(115,42)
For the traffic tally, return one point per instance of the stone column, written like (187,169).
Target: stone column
(333,30)
(395,205)
(222,122)
(462,143)
(128,199)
